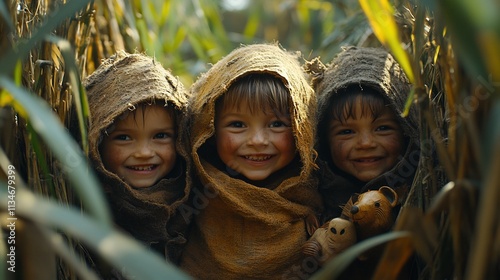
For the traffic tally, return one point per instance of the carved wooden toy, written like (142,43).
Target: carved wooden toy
(330,240)
(371,211)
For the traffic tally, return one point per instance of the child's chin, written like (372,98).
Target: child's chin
(256,177)
(367,178)
(142,184)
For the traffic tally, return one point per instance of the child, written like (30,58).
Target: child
(363,142)
(136,108)
(252,139)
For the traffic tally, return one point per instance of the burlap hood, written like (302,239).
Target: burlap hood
(250,59)
(366,67)
(118,85)
(369,67)
(245,231)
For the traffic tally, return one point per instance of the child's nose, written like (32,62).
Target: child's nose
(259,137)
(144,149)
(366,140)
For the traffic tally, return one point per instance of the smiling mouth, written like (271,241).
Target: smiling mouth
(367,160)
(143,168)
(257,158)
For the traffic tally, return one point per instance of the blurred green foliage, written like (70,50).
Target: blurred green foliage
(188,35)
(451,47)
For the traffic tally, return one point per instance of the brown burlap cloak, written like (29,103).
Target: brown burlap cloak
(149,214)
(377,69)
(239,230)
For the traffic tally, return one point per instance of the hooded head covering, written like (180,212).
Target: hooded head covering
(371,68)
(246,231)
(117,86)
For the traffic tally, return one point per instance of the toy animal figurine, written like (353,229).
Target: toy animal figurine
(372,211)
(330,240)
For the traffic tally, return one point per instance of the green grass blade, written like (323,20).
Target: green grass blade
(4,13)
(8,61)
(73,162)
(334,268)
(79,96)
(491,137)
(487,216)
(123,252)
(35,143)
(465,35)
(68,255)
(380,14)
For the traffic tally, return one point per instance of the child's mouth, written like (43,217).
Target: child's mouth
(367,160)
(143,168)
(258,158)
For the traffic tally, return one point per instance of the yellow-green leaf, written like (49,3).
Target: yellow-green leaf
(380,15)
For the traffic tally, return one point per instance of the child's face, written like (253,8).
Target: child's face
(253,144)
(141,148)
(366,147)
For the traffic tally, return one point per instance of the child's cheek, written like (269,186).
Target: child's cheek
(337,152)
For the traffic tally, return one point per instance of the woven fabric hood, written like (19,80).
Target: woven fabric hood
(244,231)
(117,86)
(377,69)
(258,58)
(366,67)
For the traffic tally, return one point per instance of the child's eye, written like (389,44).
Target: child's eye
(122,137)
(345,132)
(236,124)
(163,135)
(277,124)
(384,127)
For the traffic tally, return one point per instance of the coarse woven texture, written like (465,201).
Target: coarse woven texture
(366,67)
(123,81)
(239,230)
(373,68)
(117,86)
(258,58)
(377,69)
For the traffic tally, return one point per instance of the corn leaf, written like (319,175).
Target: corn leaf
(79,96)
(123,252)
(4,13)
(73,162)
(380,14)
(46,28)
(334,268)
(464,28)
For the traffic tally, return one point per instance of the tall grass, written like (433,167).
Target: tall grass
(453,227)
(449,48)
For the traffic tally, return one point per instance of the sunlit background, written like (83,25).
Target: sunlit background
(451,47)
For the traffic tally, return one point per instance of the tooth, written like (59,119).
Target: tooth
(258,158)
(138,168)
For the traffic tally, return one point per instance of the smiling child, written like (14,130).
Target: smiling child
(136,108)
(364,142)
(252,138)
